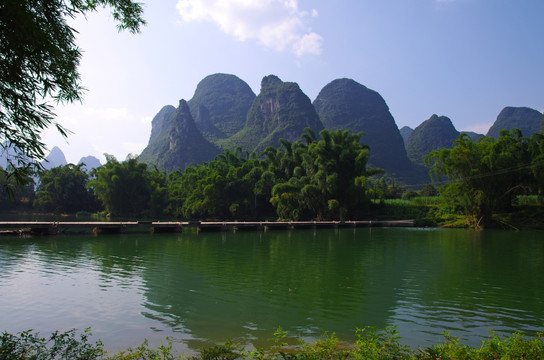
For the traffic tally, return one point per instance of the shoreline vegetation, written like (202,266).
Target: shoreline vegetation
(485,184)
(110,227)
(371,344)
(392,213)
(422,211)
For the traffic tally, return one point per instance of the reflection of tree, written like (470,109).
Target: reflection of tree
(57,252)
(248,284)
(213,286)
(112,256)
(462,281)
(482,267)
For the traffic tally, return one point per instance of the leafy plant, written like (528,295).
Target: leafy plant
(28,345)
(380,345)
(226,351)
(143,352)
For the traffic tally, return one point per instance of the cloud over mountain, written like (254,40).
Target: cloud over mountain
(276,24)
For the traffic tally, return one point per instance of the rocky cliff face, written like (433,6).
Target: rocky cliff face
(220,104)
(281,110)
(528,120)
(347,105)
(177,142)
(227,114)
(435,133)
(160,123)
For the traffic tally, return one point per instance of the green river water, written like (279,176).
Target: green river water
(209,287)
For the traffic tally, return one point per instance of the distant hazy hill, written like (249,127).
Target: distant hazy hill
(405,131)
(436,133)
(220,105)
(90,162)
(528,120)
(175,141)
(55,158)
(8,152)
(281,110)
(474,136)
(345,104)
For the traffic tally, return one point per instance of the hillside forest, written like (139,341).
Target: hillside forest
(229,154)
(317,177)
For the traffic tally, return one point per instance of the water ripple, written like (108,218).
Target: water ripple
(205,288)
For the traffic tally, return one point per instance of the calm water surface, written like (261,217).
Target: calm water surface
(209,287)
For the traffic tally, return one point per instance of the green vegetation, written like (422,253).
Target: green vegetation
(529,121)
(307,179)
(486,176)
(488,183)
(220,105)
(436,133)
(281,110)
(63,189)
(16,193)
(176,142)
(39,62)
(370,344)
(129,188)
(29,345)
(347,105)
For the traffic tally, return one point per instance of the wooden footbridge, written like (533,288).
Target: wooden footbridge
(52,227)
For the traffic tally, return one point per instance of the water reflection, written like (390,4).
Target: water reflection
(248,284)
(205,288)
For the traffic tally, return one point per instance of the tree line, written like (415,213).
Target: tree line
(323,177)
(311,178)
(485,177)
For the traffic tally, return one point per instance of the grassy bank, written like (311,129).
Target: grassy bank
(526,214)
(370,344)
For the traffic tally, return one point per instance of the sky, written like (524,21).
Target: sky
(464,59)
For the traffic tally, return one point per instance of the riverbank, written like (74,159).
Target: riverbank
(370,345)
(429,212)
(527,213)
(109,227)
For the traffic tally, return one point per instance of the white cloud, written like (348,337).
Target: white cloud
(276,24)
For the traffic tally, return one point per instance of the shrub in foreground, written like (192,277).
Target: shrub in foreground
(28,345)
(371,344)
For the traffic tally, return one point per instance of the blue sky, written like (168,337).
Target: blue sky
(465,59)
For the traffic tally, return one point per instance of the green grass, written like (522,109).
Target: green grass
(527,200)
(527,213)
(418,208)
